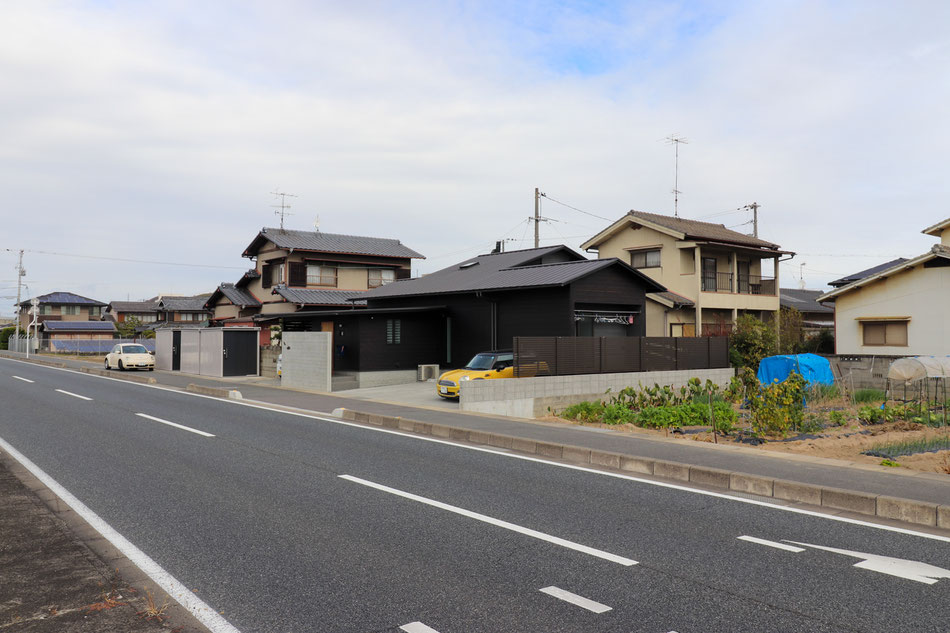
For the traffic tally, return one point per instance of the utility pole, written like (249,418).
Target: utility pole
(754,208)
(537,216)
(19,282)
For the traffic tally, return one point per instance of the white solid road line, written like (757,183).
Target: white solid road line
(177,426)
(175,589)
(74,395)
(417,627)
(496,522)
(762,541)
(23,379)
(575,599)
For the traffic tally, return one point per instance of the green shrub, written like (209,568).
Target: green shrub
(869,395)
(751,341)
(812,423)
(661,418)
(837,418)
(870,415)
(618,414)
(726,417)
(778,407)
(584,412)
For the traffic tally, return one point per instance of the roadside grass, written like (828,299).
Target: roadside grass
(151,610)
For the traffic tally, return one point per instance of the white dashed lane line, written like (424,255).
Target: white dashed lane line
(74,395)
(174,424)
(496,522)
(417,627)
(573,598)
(762,541)
(23,379)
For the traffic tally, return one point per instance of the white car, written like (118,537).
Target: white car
(130,356)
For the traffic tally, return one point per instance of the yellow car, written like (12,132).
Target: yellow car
(484,366)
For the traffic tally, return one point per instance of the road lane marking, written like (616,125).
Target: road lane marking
(573,598)
(74,395)
(169,584)
(417,627)
(902,568)
(496,522)
(762,541)
(324,417)
(23,379)
(177,426)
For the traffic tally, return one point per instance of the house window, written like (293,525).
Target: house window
(645,259)
(267,275)
(393,331)
(321,275)
(95,311)
(885,333)
(46,309)
(709,274)
(377,277)
(71,310)
(298,275)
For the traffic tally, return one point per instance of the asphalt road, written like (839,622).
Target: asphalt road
(290,523)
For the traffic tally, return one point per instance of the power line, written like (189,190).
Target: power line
(128,260)
(593,215)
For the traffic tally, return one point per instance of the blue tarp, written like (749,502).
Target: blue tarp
(813,368)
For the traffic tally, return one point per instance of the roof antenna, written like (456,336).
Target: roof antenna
(316,223)
(675,140)
(283,206)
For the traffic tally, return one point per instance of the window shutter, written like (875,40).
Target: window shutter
(266,275)
(403,273)
(298,274)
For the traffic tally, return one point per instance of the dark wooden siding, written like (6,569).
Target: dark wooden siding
(538,312)
(421,341)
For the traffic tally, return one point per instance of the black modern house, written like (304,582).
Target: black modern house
(482,303)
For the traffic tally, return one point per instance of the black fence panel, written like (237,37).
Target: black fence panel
(569,355)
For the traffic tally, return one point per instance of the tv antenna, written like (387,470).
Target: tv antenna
(674,139)
(283,206)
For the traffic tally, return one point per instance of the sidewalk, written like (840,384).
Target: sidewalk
(908,498)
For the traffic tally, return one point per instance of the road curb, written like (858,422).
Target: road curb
(909,511)
(144,380)
(217,392)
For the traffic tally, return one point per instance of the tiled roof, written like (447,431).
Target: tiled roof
(79,326)
(238,296)
(65,298)
(317,297)
(188,304)
(133,306)
(247,277)
(803,300)
(847,279)
(675,299)
(331,243)
(694,229)
(503,271)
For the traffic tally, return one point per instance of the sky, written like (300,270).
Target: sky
(142,141)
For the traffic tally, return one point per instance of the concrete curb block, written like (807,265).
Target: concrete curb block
(903,510)
(232,394)
(143,380)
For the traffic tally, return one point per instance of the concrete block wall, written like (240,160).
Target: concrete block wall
(269,361)
(533,397)
(386,378)
(860,371)
(307,360)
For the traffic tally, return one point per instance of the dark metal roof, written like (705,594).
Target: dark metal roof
(79,326)
(64,298)
(318,297)
(506,271)
(803,300)
(330,243)
(847,279)
(358,311)
(237,296)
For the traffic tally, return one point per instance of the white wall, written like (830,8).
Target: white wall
(921,293)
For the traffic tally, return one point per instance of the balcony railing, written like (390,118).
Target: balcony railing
(748,284)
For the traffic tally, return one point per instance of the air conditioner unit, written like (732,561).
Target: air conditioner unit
(427,372)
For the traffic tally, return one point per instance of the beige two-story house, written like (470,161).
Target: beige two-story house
(712,274)
(307,271)
(900,309)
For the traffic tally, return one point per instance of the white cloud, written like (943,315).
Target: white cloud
(167,124)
